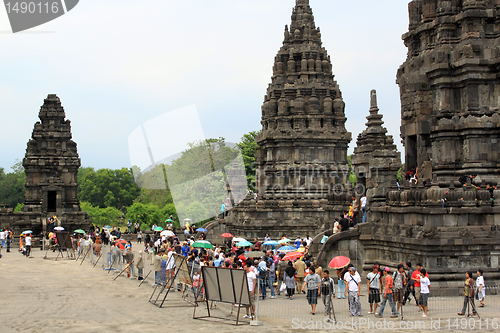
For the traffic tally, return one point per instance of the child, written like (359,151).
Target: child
(196,283)
(424,291)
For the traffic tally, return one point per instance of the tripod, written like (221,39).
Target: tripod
(474,310)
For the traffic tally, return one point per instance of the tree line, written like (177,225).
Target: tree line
(115,196)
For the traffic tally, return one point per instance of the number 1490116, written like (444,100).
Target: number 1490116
(472,323)
(32,7)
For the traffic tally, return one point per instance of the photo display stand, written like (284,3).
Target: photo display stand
(225,285)
(64,245)
(167,285)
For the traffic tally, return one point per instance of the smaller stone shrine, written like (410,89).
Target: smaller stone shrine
(376,160)
(51,165)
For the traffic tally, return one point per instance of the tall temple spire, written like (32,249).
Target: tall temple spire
(303,104)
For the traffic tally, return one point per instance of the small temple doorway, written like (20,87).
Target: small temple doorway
(51,201)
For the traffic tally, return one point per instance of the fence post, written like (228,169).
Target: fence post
(255,321)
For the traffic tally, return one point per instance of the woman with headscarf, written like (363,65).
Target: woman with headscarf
(290,272)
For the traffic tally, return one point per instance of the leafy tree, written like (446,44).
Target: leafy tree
(107,188)
(103,216)
(12,185)
(247,147)
(145,213)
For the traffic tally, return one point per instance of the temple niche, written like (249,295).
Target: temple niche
(51,166)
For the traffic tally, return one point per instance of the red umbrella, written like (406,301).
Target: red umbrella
(293,255)
(121,244)
(227,235)
(339,262)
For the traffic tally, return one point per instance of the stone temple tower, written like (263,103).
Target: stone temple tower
(51,165)
(303,142)
(302,153)
(450,89)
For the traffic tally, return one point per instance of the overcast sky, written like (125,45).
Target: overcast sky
(117,64)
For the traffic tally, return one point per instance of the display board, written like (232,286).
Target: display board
(64,240)
(226,285)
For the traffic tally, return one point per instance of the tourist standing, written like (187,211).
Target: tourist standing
(355,209)
(399,278)
(468,294)
(313,282)
(139,236)
(251,280)
(27,241)
(290,272)
(129,226)
(3,238)
(374,286)
(425,290)
(341,283)
(300,266)
(282,265)
(344,223)
(140,267)
(363,206)
(415,276)
(272,275)
(480,287)
(409,285)
(327,291)
(387,296)
(222,210)
(353,279)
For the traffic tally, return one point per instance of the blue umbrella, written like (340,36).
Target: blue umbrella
(271,242)
(201,230)
(286,249)
(244,244)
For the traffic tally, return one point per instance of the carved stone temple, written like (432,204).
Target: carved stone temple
(51,165)
(302,152)
(450,126)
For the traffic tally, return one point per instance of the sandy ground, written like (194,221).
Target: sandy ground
(44,295)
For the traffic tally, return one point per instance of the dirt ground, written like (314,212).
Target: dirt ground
(44,295)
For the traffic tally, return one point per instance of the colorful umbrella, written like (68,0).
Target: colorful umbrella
(339,262)
(271,242)
(254,254)
(226,235)
(201,230)
(26,232)
(59,228)
(187,220)
(79,231)
(158,229)
(238,239)
(167,233)
(121,244)
(243,244)
(203,243)
(283,241)
(293,255)
(168,220)
(106,227)
(286,249)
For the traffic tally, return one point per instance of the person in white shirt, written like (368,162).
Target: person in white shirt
(480,287)
(363,206)
(3,236)
(353,280)
(308,240)
(424,291)
(28,245)
(251,279)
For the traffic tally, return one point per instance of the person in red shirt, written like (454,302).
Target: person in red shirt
(387,296)
(257,245)
(415,276)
